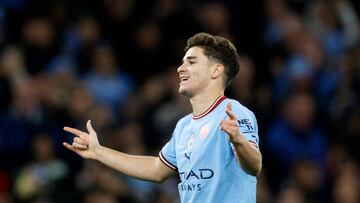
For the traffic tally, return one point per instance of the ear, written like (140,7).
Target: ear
(217,70)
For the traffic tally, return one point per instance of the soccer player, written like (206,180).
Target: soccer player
(214,149)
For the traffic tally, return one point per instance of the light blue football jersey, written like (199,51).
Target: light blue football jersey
(204,157)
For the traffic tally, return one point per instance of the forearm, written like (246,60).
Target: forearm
(249,156)
(141,167)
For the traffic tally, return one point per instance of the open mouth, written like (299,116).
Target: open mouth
(183,79)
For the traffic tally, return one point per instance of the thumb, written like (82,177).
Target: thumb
(229,112)
(229,106)
(90,128)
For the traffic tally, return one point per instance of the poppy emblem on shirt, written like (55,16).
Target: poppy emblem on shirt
(191,141)
(204,131)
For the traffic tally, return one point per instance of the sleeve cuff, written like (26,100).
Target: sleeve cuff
(166,162)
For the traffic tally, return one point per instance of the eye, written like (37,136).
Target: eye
(192,62)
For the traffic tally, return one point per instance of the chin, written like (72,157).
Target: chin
(185,92)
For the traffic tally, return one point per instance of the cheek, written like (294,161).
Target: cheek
(201,79)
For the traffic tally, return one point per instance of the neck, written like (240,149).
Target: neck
(201,102)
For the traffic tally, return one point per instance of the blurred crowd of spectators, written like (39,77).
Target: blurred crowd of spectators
(63,62)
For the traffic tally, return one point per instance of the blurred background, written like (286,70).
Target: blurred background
(63,62)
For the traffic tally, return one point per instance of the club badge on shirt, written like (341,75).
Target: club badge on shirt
(204,131)
(191,141)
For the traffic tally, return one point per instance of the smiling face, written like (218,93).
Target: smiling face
(195,72)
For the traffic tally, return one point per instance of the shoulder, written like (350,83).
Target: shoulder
(245,116)
(183,121)
(238,108)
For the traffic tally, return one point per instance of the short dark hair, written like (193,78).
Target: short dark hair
(219,49)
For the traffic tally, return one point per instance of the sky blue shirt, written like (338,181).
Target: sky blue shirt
(204,157)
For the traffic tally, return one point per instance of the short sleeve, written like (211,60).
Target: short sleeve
(168,154)
(247,125)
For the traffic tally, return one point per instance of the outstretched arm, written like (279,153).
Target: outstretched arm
(249,156)
(142,167)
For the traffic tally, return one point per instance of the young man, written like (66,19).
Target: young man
(214,150)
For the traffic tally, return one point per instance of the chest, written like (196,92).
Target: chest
(201,144)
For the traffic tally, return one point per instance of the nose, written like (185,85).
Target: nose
(181,68)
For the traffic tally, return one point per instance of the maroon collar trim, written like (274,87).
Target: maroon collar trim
(211,108)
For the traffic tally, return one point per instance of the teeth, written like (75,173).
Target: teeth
(184,79)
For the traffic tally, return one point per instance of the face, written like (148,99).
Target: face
(194,72)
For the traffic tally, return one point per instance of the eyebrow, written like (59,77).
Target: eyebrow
(189,58)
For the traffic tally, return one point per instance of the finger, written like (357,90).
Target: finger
(230,134)
(230,126)
(229,112)
(228,130)
(77,132)
(70,147)
(90,128)
(231,115)
(79,146)
(80,141)
(226,127)
(229,106)
(230,123)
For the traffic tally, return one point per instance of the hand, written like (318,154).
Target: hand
(231,126)
(84,143)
